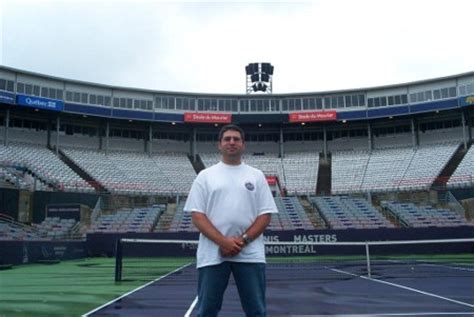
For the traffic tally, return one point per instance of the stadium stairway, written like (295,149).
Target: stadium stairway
(313,214)
(451,166)
(166,218)
(198,165)
(79,171)
(323,186)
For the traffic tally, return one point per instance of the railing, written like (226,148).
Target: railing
(11,221)
(453,203)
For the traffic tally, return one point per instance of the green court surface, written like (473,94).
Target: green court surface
(70,288)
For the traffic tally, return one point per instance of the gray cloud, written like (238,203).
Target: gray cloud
(204,47)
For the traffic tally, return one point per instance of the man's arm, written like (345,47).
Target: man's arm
(257,227)
(229,246)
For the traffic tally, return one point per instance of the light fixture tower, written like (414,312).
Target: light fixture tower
(259,78)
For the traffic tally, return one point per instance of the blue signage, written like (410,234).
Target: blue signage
(41,103)
(6,97)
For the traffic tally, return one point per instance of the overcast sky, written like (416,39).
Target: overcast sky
(204,46)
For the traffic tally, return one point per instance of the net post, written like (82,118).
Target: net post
(118,260)
(367,254)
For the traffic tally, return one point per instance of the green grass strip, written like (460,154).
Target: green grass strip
(70,288)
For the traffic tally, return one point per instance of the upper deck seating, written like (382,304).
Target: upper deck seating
(463,176)
(348,170)
(45,164)
(10,177)
(301,172)
(136,173)
(426,165)
(391,169)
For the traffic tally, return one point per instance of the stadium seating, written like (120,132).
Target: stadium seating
(453,135)
(392,169)
(291,215)
(56,228)
(348,144)
(11,177)
(348,169)
(303,146)
(426,165)
(126,144)
(392,140)
(127,220)
(78,140)
(410,215)
(301,172)
(341,212)
(169,146)
(27,136)
(177,169)
(136,173)
(297,171)
(45,165)
(463,176)
(181,220)
(10,230)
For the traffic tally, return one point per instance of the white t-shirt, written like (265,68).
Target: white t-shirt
(232,197)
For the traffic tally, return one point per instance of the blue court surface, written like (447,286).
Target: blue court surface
(305,289)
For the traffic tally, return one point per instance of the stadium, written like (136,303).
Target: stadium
(95,177)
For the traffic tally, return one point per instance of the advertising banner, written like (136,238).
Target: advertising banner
(312,116)
(466,101)
(201,117)
(6,97)
(40,103)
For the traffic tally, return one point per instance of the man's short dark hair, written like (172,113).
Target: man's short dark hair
(232,127)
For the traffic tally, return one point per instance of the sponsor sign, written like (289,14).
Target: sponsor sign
(207,117)
(40,103)
(6,97)
(271,180)
(467,101)
(313,116)
(64,211)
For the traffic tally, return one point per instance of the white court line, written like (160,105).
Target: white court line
(406,288)
(456,268)
(135,290)
(388,314)
(445,266)
(190,309)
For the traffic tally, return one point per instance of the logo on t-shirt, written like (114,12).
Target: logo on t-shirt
(249,186)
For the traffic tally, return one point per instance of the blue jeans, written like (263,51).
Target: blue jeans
(249,279)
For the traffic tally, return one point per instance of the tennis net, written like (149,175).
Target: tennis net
(147,259)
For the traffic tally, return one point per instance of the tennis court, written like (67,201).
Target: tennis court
(380,282)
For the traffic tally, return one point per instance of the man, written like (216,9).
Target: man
(231,206)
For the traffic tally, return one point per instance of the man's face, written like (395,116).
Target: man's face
(231,145)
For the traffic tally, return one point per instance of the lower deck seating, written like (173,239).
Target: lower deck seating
(182,220)
(350,213)
(55,227)
(291,215)
(411,215)
(9,231)
(128,220)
